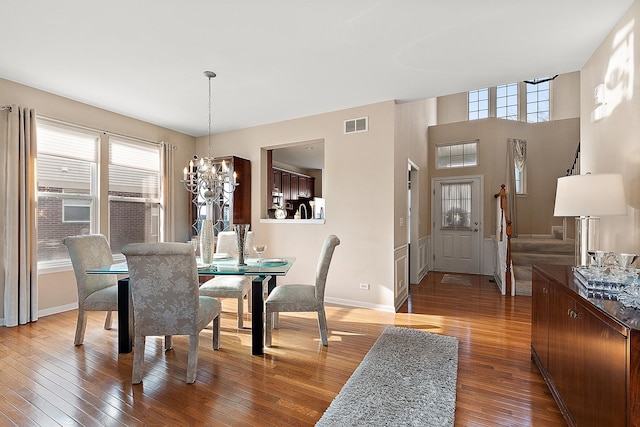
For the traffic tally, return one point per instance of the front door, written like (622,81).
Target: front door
(457,225)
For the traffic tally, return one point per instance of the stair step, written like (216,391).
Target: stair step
(543,245)
(541,258)
(522,272)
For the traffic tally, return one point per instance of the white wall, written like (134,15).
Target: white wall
(611,134)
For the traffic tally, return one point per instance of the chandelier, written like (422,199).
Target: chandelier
(209,181)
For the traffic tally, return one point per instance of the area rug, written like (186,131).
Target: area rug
(455,279)
(408,378)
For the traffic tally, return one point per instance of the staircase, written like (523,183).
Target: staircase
(526,251)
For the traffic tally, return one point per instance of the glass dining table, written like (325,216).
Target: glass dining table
(264,272)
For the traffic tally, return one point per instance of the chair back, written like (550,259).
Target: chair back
(324,261)
(90,251)
(227,243)
(164,288)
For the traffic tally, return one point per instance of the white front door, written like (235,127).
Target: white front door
(457,224)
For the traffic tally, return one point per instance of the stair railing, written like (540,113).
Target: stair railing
(573,170)
(505,231)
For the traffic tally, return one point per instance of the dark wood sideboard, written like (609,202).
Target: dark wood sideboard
(587,350)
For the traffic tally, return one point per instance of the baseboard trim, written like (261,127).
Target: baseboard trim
(360,304)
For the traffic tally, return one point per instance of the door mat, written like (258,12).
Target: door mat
(455,279)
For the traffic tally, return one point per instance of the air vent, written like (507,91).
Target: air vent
(356,125)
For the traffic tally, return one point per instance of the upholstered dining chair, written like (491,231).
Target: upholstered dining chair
(222,286)
(299,298)
(164,290)
(96,292)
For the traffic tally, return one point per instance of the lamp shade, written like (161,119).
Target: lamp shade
(590,195)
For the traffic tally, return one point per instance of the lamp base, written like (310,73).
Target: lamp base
(587,238)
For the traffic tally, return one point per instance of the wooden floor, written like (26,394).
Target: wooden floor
(46,380)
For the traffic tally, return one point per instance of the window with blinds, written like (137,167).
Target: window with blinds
(134,192)
(67,187)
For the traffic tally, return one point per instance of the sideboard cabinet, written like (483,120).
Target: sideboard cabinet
(586,349)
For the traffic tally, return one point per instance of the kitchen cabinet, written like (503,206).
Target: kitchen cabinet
(586,349)
(289,187)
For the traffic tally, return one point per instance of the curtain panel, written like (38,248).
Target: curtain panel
(167,201)
(18,207)
(516,156)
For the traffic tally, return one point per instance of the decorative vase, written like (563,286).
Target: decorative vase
(241,234)
(206,241)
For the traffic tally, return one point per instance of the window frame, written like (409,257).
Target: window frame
(98,190)
(508,97)
(462,144)
(474,99)
(535,84)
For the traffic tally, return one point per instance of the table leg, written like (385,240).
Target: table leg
(257,312)
(125,317)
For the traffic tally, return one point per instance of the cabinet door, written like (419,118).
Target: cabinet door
(303,188)
(562,357)
(600,385)
(294,186)
(286,186)
(277,181)
(540,318)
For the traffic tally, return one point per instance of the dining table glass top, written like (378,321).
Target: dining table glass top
(267,267)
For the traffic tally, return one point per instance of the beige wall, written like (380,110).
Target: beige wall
(612,143)
(59,289)
(412,122)
(550,149)
(358,188)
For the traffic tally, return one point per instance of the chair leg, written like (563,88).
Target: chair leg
(268,326)
(240,312)
(216,332)
(107,321)
(168,342)
(322,325)
(192,360)
(80,327)
(138,359)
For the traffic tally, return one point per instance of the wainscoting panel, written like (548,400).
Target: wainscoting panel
(401,275)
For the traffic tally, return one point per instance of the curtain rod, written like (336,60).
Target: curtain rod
(63,122)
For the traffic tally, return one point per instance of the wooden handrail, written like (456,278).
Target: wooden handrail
(504,209)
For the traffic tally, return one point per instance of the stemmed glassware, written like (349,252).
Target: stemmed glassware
(260,249)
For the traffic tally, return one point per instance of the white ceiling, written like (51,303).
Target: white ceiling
(282,59)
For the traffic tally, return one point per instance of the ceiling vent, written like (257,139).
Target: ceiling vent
(356,125)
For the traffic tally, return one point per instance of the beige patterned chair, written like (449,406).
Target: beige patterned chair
(299,298)
(164,289)
(223,286)
(96,292)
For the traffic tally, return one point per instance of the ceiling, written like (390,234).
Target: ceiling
(284,59)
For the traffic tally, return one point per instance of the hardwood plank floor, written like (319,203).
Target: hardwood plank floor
(46,380)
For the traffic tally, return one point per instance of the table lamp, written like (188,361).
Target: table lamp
(589,197)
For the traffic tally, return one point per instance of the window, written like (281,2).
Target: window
(538,105)
(134,193)
(76,210)
(456,205)
(67,187)
(478,104)
(520,181)
(457,155)
(507,101)
(68,182)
